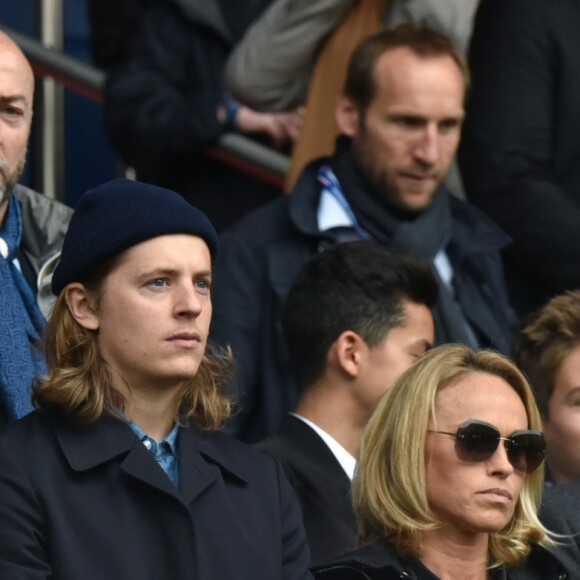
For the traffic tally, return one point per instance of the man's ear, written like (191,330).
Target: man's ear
(347,116)
(82,304)
(349,348)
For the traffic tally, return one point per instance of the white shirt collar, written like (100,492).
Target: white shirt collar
(346,460)
(330,213)
(445,269)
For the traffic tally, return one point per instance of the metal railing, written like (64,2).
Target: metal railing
(233,149)
(52,118)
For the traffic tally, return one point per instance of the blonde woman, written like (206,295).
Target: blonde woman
(450,476)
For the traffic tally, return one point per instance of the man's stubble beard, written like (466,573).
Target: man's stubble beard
(8,180)
(380,183)
(377,180)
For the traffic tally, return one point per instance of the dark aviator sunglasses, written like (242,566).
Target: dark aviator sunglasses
(477,441)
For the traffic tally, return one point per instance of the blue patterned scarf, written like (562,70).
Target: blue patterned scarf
(21,325)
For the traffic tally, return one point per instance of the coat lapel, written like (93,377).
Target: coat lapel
(195,474)
(202,460)
(298,435)
(205,458)
(141,465)
(89,446)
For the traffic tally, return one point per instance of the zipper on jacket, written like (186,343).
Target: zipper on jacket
(402,575)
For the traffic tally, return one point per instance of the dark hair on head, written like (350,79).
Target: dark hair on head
(548,337)
(358,286)
(360,85)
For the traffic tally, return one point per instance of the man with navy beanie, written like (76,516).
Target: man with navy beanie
(118,215)
(126,432)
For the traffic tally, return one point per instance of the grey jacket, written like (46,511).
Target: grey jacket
(44,223)
(270,68)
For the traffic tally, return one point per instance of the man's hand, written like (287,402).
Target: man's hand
(282,128)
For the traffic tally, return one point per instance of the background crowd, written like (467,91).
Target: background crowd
(358,375)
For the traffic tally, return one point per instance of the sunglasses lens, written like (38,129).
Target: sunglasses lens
(526,450)
(476,441)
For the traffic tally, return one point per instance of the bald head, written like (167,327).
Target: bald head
(14,63)
(16,100)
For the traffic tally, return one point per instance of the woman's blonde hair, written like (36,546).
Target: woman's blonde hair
(79,386)
(389,491)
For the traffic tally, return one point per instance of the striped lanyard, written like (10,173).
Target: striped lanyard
(330,184)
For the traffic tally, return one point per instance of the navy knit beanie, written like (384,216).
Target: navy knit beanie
(119,214)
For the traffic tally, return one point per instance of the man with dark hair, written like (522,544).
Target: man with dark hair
(356,318)
(384,183)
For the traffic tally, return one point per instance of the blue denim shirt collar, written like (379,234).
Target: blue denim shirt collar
(165,452)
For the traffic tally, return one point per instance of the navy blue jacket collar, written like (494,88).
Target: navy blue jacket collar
(87,447)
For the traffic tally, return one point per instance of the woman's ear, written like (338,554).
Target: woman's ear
(82,304)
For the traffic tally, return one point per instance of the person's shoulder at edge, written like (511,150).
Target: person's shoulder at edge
(18,436)
(260,224)
(290,31)
(277,219)
(27,195)
(467,213)
(234,451)
(559,509)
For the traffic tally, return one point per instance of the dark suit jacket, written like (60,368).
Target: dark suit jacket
(560,512)
(520,153)
(322,486)
(91,503)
